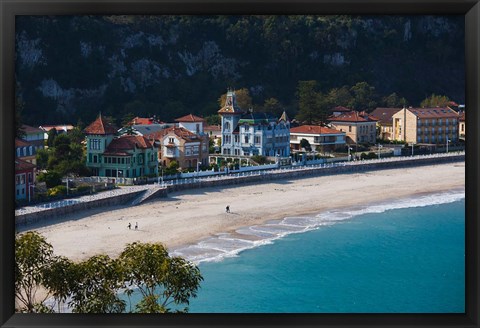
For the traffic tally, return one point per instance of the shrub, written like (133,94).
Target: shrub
(57,190)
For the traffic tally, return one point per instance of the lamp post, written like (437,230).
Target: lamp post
(348,150)
(379,146)
(412,144)
(448,140)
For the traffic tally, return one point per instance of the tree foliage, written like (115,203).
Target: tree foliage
(162,280)
(93,285)
(244,100)
(33,255)
(435,101)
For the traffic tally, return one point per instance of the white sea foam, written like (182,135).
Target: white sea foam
(226,245)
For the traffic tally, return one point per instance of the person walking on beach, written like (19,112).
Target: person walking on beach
(129,226)
(227,209)
(136,225)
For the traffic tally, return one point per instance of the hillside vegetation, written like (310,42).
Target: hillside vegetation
(71,68)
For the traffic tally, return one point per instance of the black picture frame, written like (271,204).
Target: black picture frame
(9,9)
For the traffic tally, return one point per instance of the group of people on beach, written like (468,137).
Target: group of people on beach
(130,225)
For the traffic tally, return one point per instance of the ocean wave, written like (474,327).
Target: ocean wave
(225,245)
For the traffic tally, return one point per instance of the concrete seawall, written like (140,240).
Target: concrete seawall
(53,213)
(58,212)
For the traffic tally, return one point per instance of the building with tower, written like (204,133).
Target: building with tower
(247,133)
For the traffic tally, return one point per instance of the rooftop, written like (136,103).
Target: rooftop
(190,118)
(354,117)
(314,129)
(120,145)
(21,165)
(438,112)
(384,114)
(100,126)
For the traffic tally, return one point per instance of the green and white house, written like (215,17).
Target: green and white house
(126,156)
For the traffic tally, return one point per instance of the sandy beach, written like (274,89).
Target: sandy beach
(189,216)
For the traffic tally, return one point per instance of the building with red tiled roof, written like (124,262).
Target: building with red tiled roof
(127,156)
(144,121)
(188,149)
(340,110)
(192,123)
(384,123)
(26,150)
(35,136)
(319,137)
(100,127)
(426,125)
(24,179)
(358,126)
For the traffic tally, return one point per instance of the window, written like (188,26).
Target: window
(114,160)
(246,139)
(227,127)
(349,128)
(198,128)
(95,158)
(257,140)
(94,144)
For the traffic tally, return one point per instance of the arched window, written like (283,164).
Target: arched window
(227,126)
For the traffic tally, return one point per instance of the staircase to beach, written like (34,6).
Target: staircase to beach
(150,193)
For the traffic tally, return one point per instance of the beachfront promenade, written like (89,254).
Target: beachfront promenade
(133,195)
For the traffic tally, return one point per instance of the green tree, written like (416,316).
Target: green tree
(213,119)
(308,107)
(52,134)
(127,119)
(244,100)
(339,97)
(52,178)
(42,158)
(394,101)
(33,255)
(172,168)
(273,105)
(162,280)
(304,143)
(435,101)
(363,96)
(94,285)
(76,135)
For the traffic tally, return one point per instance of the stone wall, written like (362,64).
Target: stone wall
(59,212)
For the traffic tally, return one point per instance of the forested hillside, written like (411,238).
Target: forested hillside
(72,68)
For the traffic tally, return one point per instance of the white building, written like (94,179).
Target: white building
(250,133)
(317,136)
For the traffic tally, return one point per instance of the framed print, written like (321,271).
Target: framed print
(259,163)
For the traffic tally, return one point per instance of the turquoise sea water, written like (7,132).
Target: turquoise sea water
(402,257)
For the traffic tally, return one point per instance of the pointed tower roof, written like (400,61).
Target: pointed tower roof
(231,106)
(284,117)
(100,126)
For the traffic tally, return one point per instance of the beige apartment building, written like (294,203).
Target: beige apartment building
(462,128)
(384,123)
(359,127)
(426,125)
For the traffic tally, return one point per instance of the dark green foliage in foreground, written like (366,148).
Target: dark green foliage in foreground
(91,286)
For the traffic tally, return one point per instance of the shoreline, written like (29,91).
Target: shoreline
(187,217)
